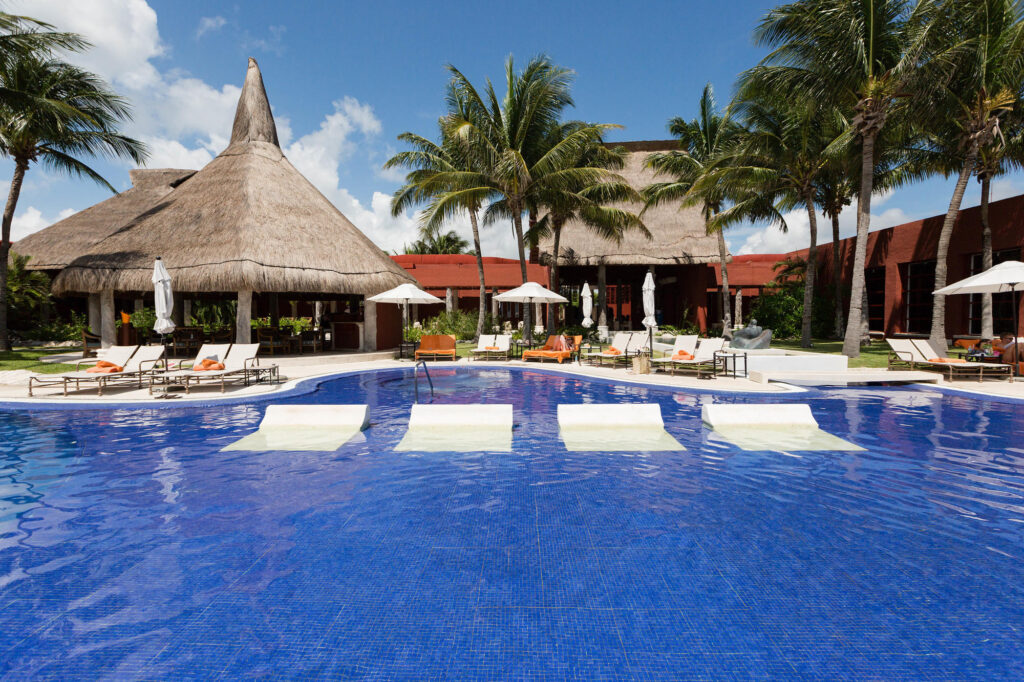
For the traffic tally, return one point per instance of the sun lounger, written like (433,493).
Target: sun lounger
(614,427)
(115,355)
(617,349)
(556,348)
(436,347)
(778,426)
(459,428)
(703,358)
(241,362)
(493,346)
(142,363)
(685,344)
(953,367)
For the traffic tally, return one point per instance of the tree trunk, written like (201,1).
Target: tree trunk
(809,276)
(553,274)
(517,222)
(482,313)
(837,276)
(20,168)
(851,342)
(987,325)
(723,257)
(938,335)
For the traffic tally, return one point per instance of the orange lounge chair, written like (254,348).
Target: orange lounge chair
(555,348)
(436,346)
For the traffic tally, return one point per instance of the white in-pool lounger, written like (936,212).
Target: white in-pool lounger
(771,426)
(614,427)
(305,427)
(458,428)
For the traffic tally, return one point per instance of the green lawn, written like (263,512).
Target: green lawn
(875,355)
(23,358)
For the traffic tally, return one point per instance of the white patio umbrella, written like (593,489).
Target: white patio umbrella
(405,294)
(1008,276)
(163,298)
(649,321)
(530,293)
(588,306)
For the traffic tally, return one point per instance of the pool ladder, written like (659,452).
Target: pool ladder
(416,380)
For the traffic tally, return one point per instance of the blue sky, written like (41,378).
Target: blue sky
(345,78)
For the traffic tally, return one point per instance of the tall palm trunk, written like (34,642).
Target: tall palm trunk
(854,332)
(20,168)
(938,334)
(723,257)
(987,325)
(480,274)
(553,283)
(812,267)
(517,223)
(837,276)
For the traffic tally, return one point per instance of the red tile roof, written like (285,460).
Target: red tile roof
(435,273)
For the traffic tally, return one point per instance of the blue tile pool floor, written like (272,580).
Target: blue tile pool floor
(131,547)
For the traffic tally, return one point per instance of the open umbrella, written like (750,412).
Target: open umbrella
(163,298)
(588,306)
(405,294)
(1008,276)
(649,321)
(530,293)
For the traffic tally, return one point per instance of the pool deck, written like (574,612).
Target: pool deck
(296,368)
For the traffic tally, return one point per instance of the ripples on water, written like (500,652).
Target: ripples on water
(130,546)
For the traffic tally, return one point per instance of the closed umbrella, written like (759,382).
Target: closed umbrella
(588,306)
(649,321)
(1008,276)
(163,298)
(405,294)
(531,293)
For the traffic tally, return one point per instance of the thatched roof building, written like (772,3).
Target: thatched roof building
(677,234)
(248,221)
(57,245)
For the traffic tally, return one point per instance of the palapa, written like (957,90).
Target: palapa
(247,221)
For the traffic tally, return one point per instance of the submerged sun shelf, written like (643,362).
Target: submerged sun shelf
(305,427)
(614,427)
(771,426)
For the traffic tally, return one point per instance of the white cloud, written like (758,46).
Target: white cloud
(32,220)
(209,24)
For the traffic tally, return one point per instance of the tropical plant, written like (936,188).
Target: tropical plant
(214,316)
(22,36)
(28,291)
(589,205)
(143,320)
(704,141)
(438,243)
(503,138)
(81,118)
(864,58)
(985,77)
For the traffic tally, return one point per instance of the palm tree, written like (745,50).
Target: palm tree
(27,290)
(703,141)
(81,117)
(438,243)
(774,167)
(863,57)
(590,205)
(835,192)
(986,77)
(504,140)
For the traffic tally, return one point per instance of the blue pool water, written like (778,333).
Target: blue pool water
(131,547)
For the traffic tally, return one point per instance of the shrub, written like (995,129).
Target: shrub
(60,330)
(143,319)
(589,335)
(780,309)
(458,322)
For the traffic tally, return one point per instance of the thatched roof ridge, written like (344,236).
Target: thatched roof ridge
(248,220)
(53,247)
(678,234)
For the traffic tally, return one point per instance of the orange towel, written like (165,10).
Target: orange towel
(104,367)
(682,355)
(950,361)
(613,351)
(491,348)
(208,364)
(126,318)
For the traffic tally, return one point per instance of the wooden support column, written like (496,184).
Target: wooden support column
(275,309)
(178,311)
(369,341)
(108,330)
(94,313)
(186,311)
(243,317)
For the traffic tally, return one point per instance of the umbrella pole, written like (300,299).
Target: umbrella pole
(1016,331)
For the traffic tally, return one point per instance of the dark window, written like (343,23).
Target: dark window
(874,283)
(918,284)
(1002,304)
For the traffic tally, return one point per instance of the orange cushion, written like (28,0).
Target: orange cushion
(104,367)
(613,351)
(951,361)
(208,364)
(682,355)
(491,348)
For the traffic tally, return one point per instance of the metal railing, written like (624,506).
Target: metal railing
(416,380)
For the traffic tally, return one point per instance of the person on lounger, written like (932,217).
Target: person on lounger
(1007,348)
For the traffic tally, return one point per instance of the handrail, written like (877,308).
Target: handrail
(416,380)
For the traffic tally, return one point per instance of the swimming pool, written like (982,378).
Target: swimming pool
(131,546)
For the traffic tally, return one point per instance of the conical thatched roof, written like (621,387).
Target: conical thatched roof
(53,247)
(678,234)
(248,220)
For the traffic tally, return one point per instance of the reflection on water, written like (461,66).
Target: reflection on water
(127,537)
